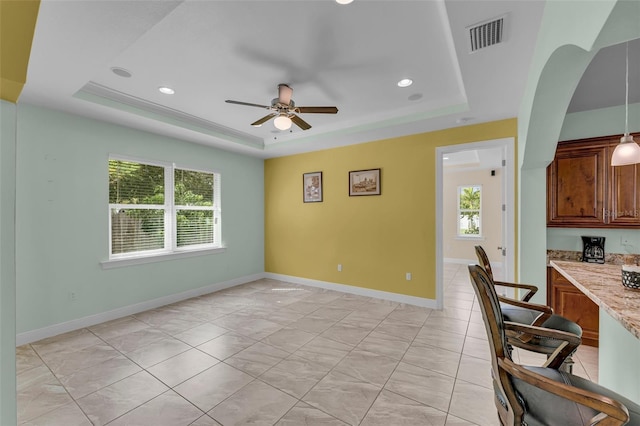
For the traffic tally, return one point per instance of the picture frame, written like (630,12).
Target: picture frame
(312,187)
(364,182)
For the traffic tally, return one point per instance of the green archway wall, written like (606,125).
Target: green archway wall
(571,34)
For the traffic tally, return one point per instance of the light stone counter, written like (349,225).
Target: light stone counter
(602,283)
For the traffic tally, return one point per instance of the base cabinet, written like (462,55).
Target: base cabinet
(569,302)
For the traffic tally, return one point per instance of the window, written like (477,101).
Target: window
(157,208)
(469,211)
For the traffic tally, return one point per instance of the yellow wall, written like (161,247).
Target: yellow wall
(377,239)
(17,24)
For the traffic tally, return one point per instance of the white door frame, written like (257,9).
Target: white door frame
(508,188)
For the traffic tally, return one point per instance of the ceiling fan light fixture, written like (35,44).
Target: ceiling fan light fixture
(282,122)
(627,152)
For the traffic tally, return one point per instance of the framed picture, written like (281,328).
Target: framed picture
(312,187)
(364,182)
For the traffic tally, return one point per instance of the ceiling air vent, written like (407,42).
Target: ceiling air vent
(486,34)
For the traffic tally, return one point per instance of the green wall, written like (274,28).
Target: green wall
(62,219)
(7,264)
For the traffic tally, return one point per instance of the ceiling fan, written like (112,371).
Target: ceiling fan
(284,110)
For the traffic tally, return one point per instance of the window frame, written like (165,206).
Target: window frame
(171,249)
(459,212)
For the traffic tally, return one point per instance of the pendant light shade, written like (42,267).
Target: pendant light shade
(628,151)
(282,122)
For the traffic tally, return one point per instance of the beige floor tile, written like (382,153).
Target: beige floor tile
(68,363)
(476,371)
(325,297)
(304,306)
(343,396)
(257,359)
(478,348)
(200,334)
(212,386)
(67,342)
(367,366)
(324,351)
(477,330)
(288,339)
(393,409)
(474,403)
(346,333)
(205,421)
(441,339)
(226,345)
(157,351)
(456,421)
(332,313)
(258,329)
(312,324)
(178,325)
(91,379)
(422,385)
(295,375)
(182,367)
(113,401)
(450,325)
(118,327)
(432,358)
(26,359)
(135,340)
(304,414)
(255,404)
(384,344)
(459,314)
(67,415)
(167,409)
(39,392)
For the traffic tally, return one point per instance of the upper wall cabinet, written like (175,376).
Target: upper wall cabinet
(585,191)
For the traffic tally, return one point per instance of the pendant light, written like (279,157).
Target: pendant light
(627,151)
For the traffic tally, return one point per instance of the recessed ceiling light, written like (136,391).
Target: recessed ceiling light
(120,72)
(344,1)
(166,90)
(445,158)
(405,82)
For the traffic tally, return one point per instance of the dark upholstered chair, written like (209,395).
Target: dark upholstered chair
(542,395)
(527,313)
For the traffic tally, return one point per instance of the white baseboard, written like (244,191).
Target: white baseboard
(88,321)
(360,291)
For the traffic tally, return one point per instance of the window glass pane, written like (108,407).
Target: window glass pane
(135,183)
(470,198)
(194,227)
(469,210)
(193,188)
(136,230)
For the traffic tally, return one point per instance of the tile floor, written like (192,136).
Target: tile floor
(272,353)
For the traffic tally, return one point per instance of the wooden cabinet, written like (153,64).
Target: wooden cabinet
(569,302)
(585,191)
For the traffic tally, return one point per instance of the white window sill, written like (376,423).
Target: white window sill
(130,261)
(472,238)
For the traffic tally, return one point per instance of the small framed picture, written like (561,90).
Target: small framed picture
(312,187)
(364,182)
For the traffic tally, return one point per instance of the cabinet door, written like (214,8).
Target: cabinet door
(624,193)
(576,186)
(571,303)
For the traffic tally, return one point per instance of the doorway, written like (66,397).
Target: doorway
(489,166)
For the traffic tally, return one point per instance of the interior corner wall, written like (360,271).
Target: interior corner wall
(62,219)
(463,248)
(8,413)
(377,239)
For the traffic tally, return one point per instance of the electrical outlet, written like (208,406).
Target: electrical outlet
(72,296)
(408,276)
(339,267)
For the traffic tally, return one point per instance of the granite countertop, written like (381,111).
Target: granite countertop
(602,283)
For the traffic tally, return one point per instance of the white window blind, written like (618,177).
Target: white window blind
(158,208)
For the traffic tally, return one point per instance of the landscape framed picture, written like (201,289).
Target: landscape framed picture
(312,187)
(364,182)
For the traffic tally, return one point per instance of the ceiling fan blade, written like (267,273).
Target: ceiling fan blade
(247,104)
(284,94)
(264,119)
(300,122)
(317,109)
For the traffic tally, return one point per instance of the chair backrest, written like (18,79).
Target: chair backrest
(483,259)
(507,402)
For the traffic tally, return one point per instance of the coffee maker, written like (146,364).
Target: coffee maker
(593,249)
